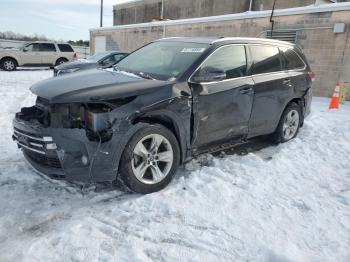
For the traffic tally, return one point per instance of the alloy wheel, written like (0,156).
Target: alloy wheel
(9,65)
(290,125)
(152,159)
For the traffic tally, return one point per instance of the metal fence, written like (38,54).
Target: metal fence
(82,51)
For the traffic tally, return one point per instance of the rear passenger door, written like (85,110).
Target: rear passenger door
(272,88)
(48,53)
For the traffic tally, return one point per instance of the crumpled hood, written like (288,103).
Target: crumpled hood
(94,84)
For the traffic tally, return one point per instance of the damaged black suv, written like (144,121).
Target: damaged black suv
(162,105)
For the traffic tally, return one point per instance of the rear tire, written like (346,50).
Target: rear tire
(289,124)
(8,64)
(150,159)
(61,61)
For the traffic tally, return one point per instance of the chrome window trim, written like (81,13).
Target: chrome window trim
(195,71)
(246,45)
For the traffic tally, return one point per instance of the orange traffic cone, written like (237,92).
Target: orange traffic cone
(335,98)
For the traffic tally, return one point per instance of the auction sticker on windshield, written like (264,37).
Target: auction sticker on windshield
(192,50)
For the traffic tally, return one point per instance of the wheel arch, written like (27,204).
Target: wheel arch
(11,57)
(168,120)
(61,58)
(297,100)
(300,101)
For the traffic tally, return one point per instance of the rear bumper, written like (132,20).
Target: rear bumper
(308,100)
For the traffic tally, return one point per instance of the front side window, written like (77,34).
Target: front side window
(118,57)
(32,47)
(97,57)
(109,60)
(265,59)
(164,59)
(231,60)
(291,59)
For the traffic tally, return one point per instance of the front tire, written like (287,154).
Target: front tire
(8,64)
(150,159)
(289,124)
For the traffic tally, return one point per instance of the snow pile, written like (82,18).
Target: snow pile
(289,202)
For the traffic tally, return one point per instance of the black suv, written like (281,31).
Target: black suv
(162,105)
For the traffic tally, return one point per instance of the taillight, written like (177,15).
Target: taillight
(312,75)
(75,55)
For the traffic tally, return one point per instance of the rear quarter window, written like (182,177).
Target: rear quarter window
(291,59)
(65,48)
(265,59)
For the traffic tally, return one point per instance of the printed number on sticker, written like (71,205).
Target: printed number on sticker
(192,50)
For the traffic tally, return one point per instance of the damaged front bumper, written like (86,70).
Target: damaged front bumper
(68,154)
(63,155)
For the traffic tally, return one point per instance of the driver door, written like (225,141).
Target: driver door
(222,105)
(31,55)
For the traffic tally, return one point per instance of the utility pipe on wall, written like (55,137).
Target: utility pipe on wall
(250,5)
(101,13)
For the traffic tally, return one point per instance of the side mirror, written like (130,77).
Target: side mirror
(209,74)
(25,50)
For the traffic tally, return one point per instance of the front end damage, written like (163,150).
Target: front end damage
(74,141)
(84,141)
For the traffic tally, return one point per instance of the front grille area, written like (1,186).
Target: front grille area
(40,149)
(44,160)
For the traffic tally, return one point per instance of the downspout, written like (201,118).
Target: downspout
(250,5)
(162,11)
(271,20)
(162,17)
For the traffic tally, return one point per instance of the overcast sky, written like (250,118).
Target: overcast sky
(57,19)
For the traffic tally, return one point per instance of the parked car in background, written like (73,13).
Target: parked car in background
(99,60)
(164,104)
(38,53)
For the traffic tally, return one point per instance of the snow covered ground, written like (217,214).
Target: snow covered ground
(289,202)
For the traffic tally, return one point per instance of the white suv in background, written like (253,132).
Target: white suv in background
(39,53)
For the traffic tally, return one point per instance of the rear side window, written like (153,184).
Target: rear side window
(65,48)
(46,47)
(291,59)
(231,59)
(266,59)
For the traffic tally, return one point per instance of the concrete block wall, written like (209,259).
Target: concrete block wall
(144,11)
(327,52)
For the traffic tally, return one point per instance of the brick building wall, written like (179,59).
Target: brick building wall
(327,52)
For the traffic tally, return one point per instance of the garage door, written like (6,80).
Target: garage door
(100,44)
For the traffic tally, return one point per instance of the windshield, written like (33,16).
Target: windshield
(162,60)
(23,46)
(97,57)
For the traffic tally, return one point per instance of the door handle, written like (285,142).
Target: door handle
(246,90)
